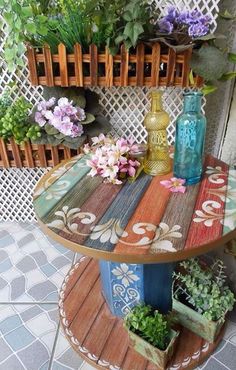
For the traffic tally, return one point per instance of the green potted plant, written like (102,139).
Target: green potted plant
(201,297)
(150,334)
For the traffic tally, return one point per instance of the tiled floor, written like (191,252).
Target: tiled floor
(32,268)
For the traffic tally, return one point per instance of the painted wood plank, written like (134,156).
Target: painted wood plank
(70,284)
(55,155)
(54,174)
(229,222)
(86,315)
(150,210)
(116,346)
(50,197)
(106,234)
(76,297)
(179,212)
(94,341)
(75,196)
(97,204)
(206,223)
(133,360)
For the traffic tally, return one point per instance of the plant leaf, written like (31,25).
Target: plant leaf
(232,57)
(227,76)
(227,15)
(208,89)
(50,130)
(191,79)
(89,119)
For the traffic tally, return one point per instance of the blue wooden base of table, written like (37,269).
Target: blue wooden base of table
(125,285)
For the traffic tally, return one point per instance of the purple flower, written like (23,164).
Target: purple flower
(39,119)
(165,26)
(80,114)
(197,30)
(185,18)
(77,130)
(172,14)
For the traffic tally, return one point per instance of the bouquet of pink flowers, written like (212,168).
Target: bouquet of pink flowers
(112,158)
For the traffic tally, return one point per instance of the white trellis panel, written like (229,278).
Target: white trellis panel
(125,107)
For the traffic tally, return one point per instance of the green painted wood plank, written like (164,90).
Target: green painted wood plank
(57,191)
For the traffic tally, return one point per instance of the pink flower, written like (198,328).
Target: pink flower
(174,185)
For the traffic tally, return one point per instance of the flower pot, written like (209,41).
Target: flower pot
(153,354)
(154,65)
(197,323)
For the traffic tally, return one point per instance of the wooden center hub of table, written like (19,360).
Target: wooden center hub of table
(137,230)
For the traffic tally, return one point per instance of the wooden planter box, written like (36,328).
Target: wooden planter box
(197,323)
(151,353)
(33,155)
(154,65)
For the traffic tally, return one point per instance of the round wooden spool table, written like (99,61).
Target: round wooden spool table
(132,234)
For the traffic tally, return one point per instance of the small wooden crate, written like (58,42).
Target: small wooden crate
(33,155)
(151,65)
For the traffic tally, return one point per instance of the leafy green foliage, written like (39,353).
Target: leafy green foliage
(150,325)
(14,120)
(209,62)
(25,22)
(204,287)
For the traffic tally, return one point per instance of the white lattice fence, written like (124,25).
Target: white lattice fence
(125,107)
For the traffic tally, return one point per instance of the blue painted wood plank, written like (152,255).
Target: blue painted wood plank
(50,197)
(106,234)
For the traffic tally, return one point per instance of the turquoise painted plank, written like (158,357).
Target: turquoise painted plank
(106,234)
(52,195)
(230,205)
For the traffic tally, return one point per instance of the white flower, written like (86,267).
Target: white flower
(125,275)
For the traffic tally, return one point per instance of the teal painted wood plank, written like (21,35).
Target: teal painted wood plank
(50,197)
(55,174)
(106,234)
(230,205)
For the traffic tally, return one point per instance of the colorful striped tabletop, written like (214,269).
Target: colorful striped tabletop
(138,222)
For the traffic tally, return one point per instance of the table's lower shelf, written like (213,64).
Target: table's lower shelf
(100,337)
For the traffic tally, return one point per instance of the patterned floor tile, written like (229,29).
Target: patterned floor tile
(227,356)
(65,358)
(86,366)
(32,266)
(27,334)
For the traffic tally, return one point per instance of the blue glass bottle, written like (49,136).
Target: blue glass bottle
(189,139)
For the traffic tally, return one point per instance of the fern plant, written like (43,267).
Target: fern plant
(204,288)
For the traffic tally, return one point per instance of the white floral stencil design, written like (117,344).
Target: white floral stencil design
(123,273)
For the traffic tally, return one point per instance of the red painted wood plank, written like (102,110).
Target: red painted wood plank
(76,297)
(206,223)
(97,204)
(94,341)
(76,276)
(116,346)
(133,360)
(150,209)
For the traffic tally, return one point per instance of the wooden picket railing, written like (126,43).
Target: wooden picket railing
(150,65)
(33,155)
